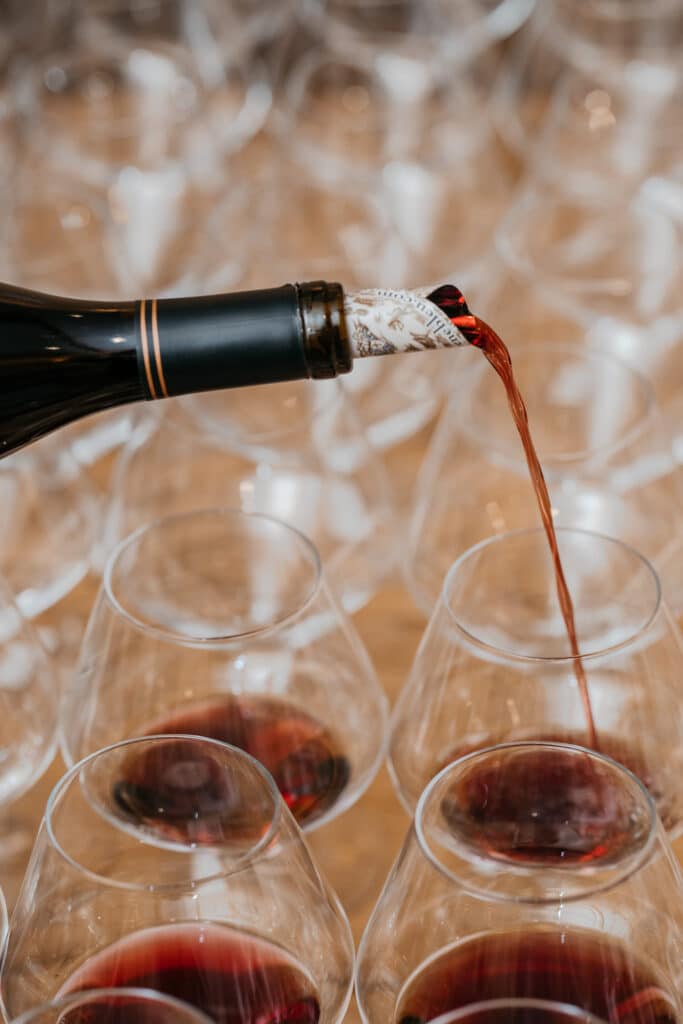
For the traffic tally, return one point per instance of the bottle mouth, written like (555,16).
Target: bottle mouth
(212,576)
(163,812)
(563,821)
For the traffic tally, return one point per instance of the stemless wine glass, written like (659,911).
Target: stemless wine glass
(220,623)
(533,870)
(626,51)
(172,863)
(29,690)
(114,1006)
(606,272)
(518,1011)
(3,920)
(299,453)
(28,706)
(495,663)
(605,454)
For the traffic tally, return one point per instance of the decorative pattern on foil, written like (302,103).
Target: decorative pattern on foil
(382,321)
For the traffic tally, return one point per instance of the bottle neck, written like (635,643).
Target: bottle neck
(241,339)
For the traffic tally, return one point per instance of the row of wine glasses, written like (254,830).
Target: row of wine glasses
(531,872)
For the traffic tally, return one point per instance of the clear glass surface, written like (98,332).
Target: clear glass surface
(517,1011)
(114,1006)
(606,273)
(531,870)
(603,446)
(172,863)
(301,456)
(495,663)
(619,60)
(28,709)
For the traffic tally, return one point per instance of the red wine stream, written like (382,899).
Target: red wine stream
(451,301)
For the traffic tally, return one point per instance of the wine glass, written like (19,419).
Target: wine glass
(620,58)
(3,920)
(29,691)
(495,663)
(605,272)
(114,1006)
(604,449)
(221,623)
(301,455)
(172,863)
(143,103)
(518,1011)
(531,870)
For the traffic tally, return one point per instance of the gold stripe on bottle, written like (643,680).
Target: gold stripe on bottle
(145,348)
(157,348)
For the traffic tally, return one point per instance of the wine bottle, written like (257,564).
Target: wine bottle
(62,359)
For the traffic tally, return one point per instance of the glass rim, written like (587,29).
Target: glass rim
(71,776)
(4,922)
(564,659)
(635,860)
(547,1005)
(584,355)
(74,999)
(613,10)
(498,16)
(172,636)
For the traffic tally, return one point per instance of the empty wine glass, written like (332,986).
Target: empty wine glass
(604,272)
(114,1006)
(626,51)
(604,450)
(301,455)
(29,690)
(172,863)
(495,663)
(531,870)
(142,102)
(3,920)
(518,1011)
(221,623)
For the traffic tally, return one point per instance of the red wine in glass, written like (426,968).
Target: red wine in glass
(232,976)
(585,970)
(300,753)
(543,806)
(451,301)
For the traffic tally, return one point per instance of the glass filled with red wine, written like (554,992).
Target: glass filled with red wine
(532,870)
(518,1011)
(172,863)
(496,665)
(114,1006)
(605,452)
(220,623)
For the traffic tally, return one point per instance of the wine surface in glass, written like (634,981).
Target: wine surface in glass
(300,753)
(451,301)
(546,807)
(233,977)
(577,967)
